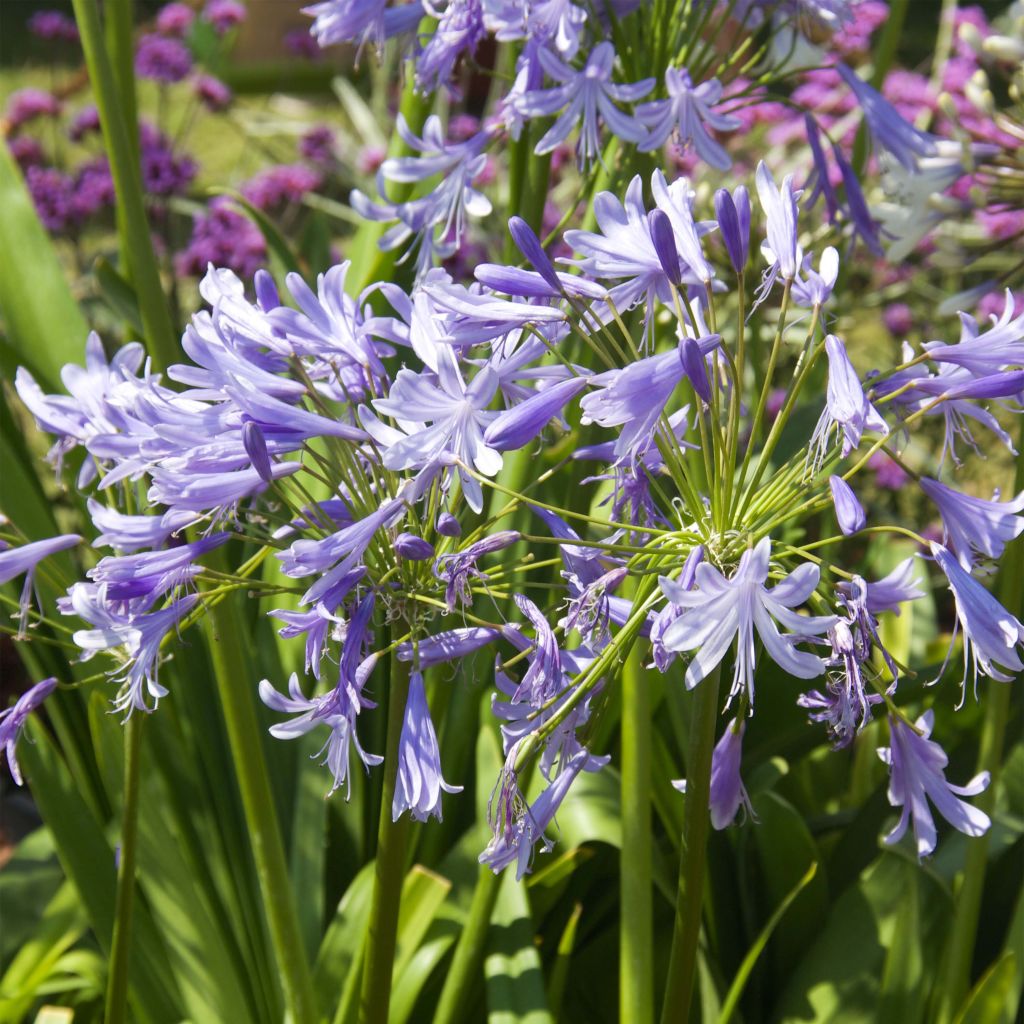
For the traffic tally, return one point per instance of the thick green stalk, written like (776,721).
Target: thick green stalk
(119,20)
(161,340)
(636,979)
(469,950)
(392,841)
(682,962)
(117,979)
(235,684)
(959,951)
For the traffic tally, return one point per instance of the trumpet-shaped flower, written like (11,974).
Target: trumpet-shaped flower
(12,721)
(727,794)
(584,96)
(686,115)
(719,610)
(419,783)
(917,774)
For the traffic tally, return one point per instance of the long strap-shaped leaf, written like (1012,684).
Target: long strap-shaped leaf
(160,338)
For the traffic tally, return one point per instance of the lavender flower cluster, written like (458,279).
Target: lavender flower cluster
(361,443)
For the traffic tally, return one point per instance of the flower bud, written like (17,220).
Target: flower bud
(413,548)
(256,448)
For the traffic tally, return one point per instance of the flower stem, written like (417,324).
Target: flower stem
(235,685)
(469,950)
(117,980)
(636,980)
(392,841)
(682,961)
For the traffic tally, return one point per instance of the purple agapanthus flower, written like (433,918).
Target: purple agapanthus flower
(361,21)
(733,213)
(985,353)
(814,287)
(845,706)
(727,794)
(337,710)
(849,511)
(518,827)
(12,721)
(781,249)
(141,636)
(847,408)
(419,782)
(543,678)
(448,645)
(634,398)
(459,568)
(888,128)
(24,559)
(992,635)
(686,115)
(917,774)
(584,96)
(460,28)
(719,610)
(974,527)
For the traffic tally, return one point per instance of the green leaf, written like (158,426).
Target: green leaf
(119,293)
(739,982)
(88,860)
(309,846)
(563,956)
(992,1000)
(423,892)
(512,969)
(61,925)
(41,318)
(343,940)
(901,999)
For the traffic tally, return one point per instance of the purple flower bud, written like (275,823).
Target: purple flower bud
(255,445)
(450,645)
(994,385)
(12,721)
(529,245)
(733,212)
(413,548)
(665,246)
(696,368)
(849,511)
(727,793)
(516,427)
(448,525)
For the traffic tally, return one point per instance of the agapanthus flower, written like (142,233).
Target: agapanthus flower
(518,827)
(727,794)
(985,353)
(847,409)
(721,609)
(974,527)
(12,721)
(686,115)
(849,511)
(460,28)
(781,249)
(917,775)
(337,710)
(419,782)
(24,559)
(583,96)
(140,634)
(992,635)
(458,568)
(361,21)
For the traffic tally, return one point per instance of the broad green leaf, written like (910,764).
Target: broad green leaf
(28,881)
(40,316)
(992,1000)
(838,979)
(417,971)
(902,996)
(739,982)
(309,844)
(512,968)
(423,892)
(343,940)
(119,294)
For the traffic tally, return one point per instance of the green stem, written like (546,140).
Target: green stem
(133,222)
(234,682)
(392,840)
(469,951)
(117,980)
(636,955)
(682,963)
